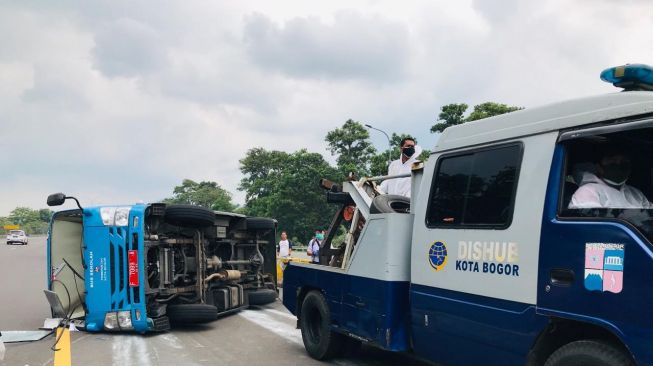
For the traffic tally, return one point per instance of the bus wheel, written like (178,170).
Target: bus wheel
(315,322)
(588,353)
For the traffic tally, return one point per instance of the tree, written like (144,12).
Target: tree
(206,194)
(45,214)
(29,220)
(489,109)
(261,166)
(353,148)
(286,187)
(452,114)
(23,215)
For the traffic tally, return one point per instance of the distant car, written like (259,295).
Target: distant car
(16,236)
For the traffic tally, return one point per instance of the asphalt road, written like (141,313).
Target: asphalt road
(262,336)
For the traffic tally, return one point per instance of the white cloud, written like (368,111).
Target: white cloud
(351,47)
(126,47)
(116,101)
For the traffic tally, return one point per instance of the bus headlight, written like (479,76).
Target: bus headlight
(121,320)
(125,319)
(115,216)
(122,216)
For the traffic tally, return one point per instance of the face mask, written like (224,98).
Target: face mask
(409,151)
(319,236)
(616,173)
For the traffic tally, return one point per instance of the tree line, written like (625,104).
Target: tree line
(33,222)
(284,185)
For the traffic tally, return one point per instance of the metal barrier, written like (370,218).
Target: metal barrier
(282,262)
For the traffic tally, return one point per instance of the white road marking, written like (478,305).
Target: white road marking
(282,313)
(130,350)
(171,340)
(195,342)
(281,329)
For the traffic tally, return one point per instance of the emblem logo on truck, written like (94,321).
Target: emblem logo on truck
(438,255)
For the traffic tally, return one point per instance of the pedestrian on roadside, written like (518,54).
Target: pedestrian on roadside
(314,246)
(284,248)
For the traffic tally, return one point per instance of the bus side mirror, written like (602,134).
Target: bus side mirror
(56,199)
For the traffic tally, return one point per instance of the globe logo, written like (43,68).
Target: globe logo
(438,255)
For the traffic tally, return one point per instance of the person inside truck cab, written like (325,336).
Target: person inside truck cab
(409,153)
(606,187)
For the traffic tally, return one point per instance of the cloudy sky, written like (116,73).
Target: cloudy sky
(118,101)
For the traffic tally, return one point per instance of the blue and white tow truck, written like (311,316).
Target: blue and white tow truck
(144,267)
(489,262)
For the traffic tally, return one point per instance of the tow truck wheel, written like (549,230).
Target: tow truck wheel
(589,353)
(320,341)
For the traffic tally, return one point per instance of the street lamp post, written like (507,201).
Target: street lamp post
(388,137)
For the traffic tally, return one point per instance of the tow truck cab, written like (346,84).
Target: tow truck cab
(498,261)
(142,267)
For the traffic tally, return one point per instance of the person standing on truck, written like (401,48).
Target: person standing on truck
(314,246)
(409,153)
(607,188)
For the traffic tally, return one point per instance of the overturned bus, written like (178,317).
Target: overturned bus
(144,267)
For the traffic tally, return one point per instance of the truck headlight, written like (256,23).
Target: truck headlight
(115,216)
(121,320)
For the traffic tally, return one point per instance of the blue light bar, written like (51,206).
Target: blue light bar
(629,76)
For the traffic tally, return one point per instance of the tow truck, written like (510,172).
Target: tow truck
(489,263)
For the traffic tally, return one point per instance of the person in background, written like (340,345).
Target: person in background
(409,153)
(284,248)
(607,188)
(314,246)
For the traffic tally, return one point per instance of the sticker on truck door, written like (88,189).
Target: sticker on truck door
(438,255)
(604,267)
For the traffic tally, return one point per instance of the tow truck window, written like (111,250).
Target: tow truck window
(475,189)
(628,201)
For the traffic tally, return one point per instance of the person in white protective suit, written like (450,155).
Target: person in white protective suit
(607,188)
(401,186)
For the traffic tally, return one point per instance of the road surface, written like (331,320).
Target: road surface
(261,336)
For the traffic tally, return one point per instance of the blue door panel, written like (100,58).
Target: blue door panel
(369,308)
(465,329)
(620,306)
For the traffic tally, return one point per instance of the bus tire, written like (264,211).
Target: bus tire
(260,223)
(261,296)
(189,215)
(320,341)
(588,353)
(191,313)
